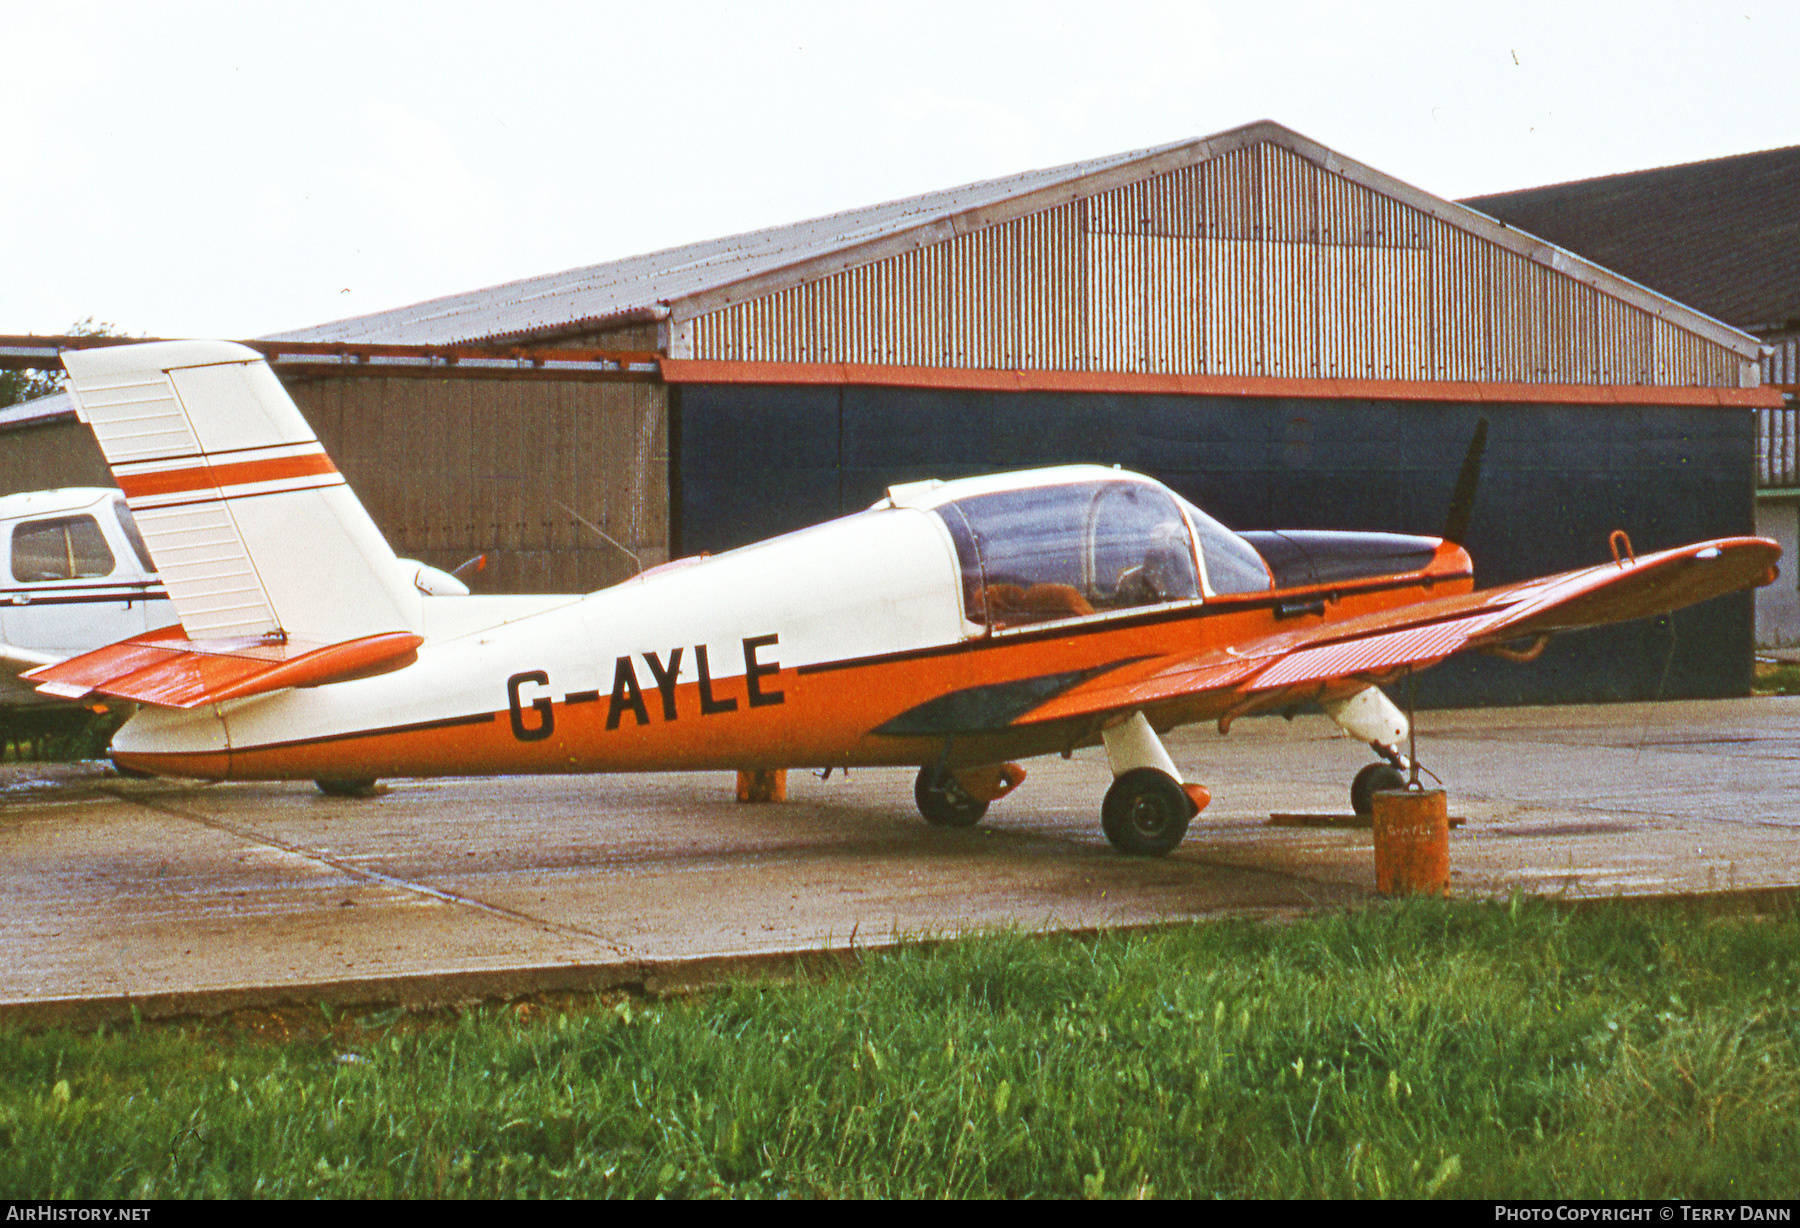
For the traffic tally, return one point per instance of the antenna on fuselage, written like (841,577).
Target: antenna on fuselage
(1462,499)
(602,532)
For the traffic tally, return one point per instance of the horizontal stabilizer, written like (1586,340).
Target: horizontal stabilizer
(167,669)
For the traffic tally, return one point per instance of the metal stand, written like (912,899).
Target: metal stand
(1412,735)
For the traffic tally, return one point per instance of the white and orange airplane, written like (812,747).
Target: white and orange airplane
(954,626)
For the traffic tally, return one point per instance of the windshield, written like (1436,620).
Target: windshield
(67,548)
(1232,564)
(128,523)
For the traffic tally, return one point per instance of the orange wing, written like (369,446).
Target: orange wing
(1264,673)
(169,670)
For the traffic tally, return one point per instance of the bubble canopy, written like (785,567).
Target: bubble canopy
(1096,542)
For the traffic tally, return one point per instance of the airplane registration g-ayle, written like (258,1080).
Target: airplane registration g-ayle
(953,626)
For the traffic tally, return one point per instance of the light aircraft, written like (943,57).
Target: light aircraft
(953,626)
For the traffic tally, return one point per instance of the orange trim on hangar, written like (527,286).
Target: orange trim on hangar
(707,371)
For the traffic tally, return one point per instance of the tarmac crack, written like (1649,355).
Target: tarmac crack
(376,876)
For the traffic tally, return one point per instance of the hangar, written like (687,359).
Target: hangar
(1723,236)
(1288,337)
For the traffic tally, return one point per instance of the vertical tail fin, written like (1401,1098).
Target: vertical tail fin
(253,530)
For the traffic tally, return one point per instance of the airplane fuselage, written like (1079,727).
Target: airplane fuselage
(794,652)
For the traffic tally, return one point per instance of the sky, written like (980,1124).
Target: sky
(233,170)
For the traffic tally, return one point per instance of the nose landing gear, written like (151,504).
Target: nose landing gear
(1374,778)
(1371,717)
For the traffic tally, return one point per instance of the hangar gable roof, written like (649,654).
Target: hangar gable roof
(635,288)
(686,282)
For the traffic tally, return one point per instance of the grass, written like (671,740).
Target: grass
(1454,1049)
(57,734)
(1776,678)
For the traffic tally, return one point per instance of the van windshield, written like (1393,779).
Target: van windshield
(128,524)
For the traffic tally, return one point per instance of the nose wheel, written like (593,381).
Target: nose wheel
(1373,779)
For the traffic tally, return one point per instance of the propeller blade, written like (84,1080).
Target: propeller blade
(1462,500)
(479,563)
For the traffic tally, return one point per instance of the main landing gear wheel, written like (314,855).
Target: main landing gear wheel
(943,802)
(1146,813)
(362,787)
(1373,779)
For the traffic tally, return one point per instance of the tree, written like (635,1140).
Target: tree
(31,383)
(28,385)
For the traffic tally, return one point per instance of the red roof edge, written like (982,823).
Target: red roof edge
(707,371)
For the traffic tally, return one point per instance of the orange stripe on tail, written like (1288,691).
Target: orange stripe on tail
(212,476)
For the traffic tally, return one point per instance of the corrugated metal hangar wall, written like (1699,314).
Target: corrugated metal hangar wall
(458,467)
(1257,263)
(1286,336)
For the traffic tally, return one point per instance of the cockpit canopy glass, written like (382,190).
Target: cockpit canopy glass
(1232,564)
(1052,552)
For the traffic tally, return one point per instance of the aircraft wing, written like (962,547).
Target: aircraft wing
(1268,671)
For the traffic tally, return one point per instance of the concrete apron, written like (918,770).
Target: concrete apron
(181,899)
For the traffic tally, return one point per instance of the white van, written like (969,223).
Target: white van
(77,577)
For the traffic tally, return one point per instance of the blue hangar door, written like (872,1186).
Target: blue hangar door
(751,461)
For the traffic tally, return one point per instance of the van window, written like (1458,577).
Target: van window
(67,548)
